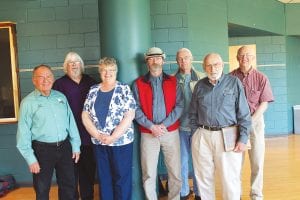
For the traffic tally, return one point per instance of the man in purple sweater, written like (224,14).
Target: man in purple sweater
(75,86)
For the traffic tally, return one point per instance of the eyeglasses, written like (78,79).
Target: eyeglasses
(107,70)
(43,78)
(247,55)
(74,63)
(186,58)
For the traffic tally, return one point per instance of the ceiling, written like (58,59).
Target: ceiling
(289,1)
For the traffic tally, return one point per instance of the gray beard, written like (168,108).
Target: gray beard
(156,68)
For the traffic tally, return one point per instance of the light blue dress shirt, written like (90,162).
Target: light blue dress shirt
(45,119)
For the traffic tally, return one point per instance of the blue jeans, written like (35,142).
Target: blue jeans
(185,152)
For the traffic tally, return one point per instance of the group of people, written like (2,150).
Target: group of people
(77,126)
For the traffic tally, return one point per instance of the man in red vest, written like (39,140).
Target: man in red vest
(159,106)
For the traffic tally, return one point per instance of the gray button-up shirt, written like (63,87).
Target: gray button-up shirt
(159,109)
(220,105)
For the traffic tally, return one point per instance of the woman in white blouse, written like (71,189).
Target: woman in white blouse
(107,114)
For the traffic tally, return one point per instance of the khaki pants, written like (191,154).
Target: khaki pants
(210,160)
(150,148)
(257,157)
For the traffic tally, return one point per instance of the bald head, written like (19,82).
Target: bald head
(247,49)
(43,79)
(184,50)
(214,56)
(213,66)
(245,57)
(184,60)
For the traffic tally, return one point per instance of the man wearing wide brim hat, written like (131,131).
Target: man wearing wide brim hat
(154,52)
(159,106)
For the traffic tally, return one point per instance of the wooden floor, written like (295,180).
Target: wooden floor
(281,177)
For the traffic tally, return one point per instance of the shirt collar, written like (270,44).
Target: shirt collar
(38,93)
(218,81)
(153,78)
(249,72)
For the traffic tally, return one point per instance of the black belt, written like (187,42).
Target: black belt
(52,144)
(211,128)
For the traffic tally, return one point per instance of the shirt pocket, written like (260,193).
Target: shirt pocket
(204,100)
(228,97)
(254,96)
(60,108)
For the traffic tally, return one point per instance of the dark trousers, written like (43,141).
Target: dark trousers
(114,167)
(52,157)
(85,173)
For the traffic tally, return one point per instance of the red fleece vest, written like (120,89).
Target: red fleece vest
(146,99)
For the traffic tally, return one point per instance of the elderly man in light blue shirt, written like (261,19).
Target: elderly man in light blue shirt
(48,137)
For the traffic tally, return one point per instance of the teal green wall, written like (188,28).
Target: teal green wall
(292,19)
(267,15)
(202,26)
(177,23)
(293,63)
(46,31)
(207,22)
(169,28)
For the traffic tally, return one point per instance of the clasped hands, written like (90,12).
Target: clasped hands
(158,130)
(105,139)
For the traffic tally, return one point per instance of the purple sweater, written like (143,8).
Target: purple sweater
(76,94)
